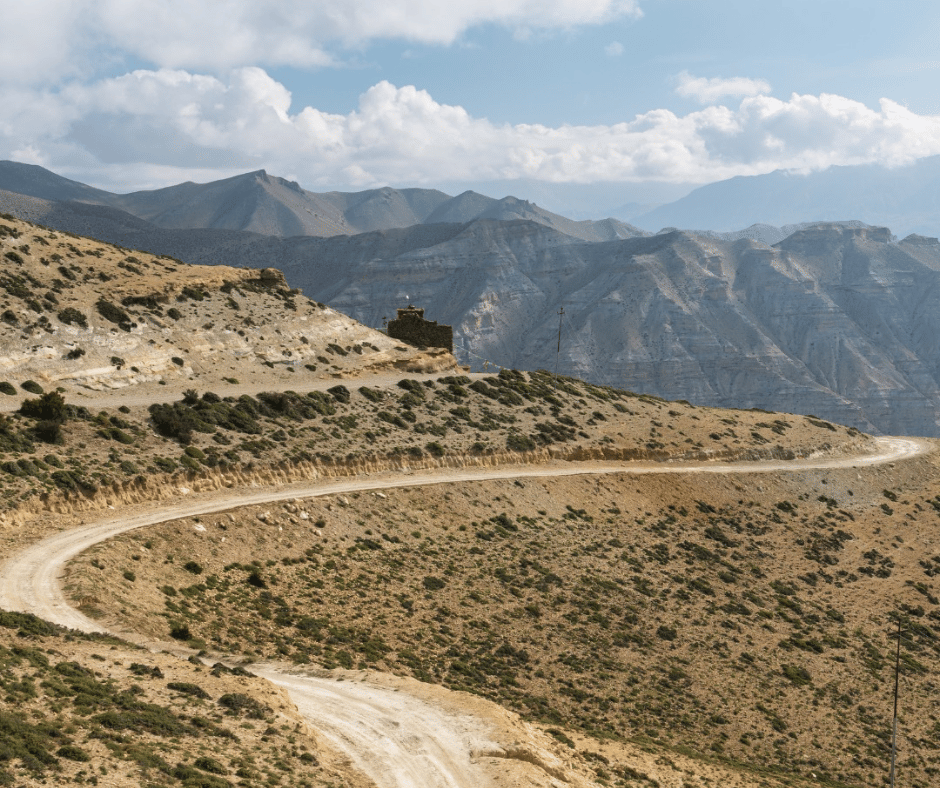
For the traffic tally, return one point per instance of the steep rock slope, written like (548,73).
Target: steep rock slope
(836,321)
(35,181)
(256,202)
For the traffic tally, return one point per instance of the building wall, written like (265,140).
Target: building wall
(412,328)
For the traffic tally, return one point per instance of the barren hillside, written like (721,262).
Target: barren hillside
(700,623)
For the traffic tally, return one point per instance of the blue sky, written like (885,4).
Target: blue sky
(612,72)
(613,100)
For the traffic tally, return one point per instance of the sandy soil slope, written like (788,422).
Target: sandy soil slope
(399,733)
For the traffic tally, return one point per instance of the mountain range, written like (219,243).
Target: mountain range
(834,319)
(265,204)
(902,198)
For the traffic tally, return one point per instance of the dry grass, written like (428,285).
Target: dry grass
(744,618)
(95,711)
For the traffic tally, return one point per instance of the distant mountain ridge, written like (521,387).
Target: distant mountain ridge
(265,204)
(906,199)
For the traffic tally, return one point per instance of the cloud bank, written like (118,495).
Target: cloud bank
(707,91)
(57,39)
(203,104)
(159,126)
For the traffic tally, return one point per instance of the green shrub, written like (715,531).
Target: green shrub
(112,313)
(517,442)
(73,753)
(49,407)
(32,387)
(239,703)
(193,567)
(7,388)
(180,632)
(391,418)
(165,464)
(120,436)
(71,315)
(191,292)
(373,395)
(193,779)
(799,676)
(211,765)
(186,688)
(178,421)
(339,393)
(28,625)
(128,468)
(73,480)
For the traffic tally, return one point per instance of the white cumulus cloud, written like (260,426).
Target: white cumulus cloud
(153,127)
(707,91)
(613,49)
(53,39)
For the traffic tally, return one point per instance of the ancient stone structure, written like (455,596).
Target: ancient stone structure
(411,327)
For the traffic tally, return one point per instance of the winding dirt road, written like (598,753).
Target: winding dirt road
(396,738)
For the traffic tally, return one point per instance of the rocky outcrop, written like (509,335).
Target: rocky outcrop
(83,315)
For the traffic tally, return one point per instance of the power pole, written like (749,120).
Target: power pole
(894,730)
(561,316)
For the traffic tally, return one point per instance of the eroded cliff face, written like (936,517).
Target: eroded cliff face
(836,321)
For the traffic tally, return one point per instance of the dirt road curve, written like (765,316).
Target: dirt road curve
(394,737)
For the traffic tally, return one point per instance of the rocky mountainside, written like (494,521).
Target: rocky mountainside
(836,321)
(903,198)
(80,315)
(264,204)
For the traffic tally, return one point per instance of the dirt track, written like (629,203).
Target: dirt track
(390,733)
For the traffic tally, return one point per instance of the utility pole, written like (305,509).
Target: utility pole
(561,316)
(894,730)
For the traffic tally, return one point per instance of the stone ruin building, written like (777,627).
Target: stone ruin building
(411,327)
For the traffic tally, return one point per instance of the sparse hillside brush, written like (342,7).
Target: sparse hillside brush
(70,315)
(49,407)
(113,314)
